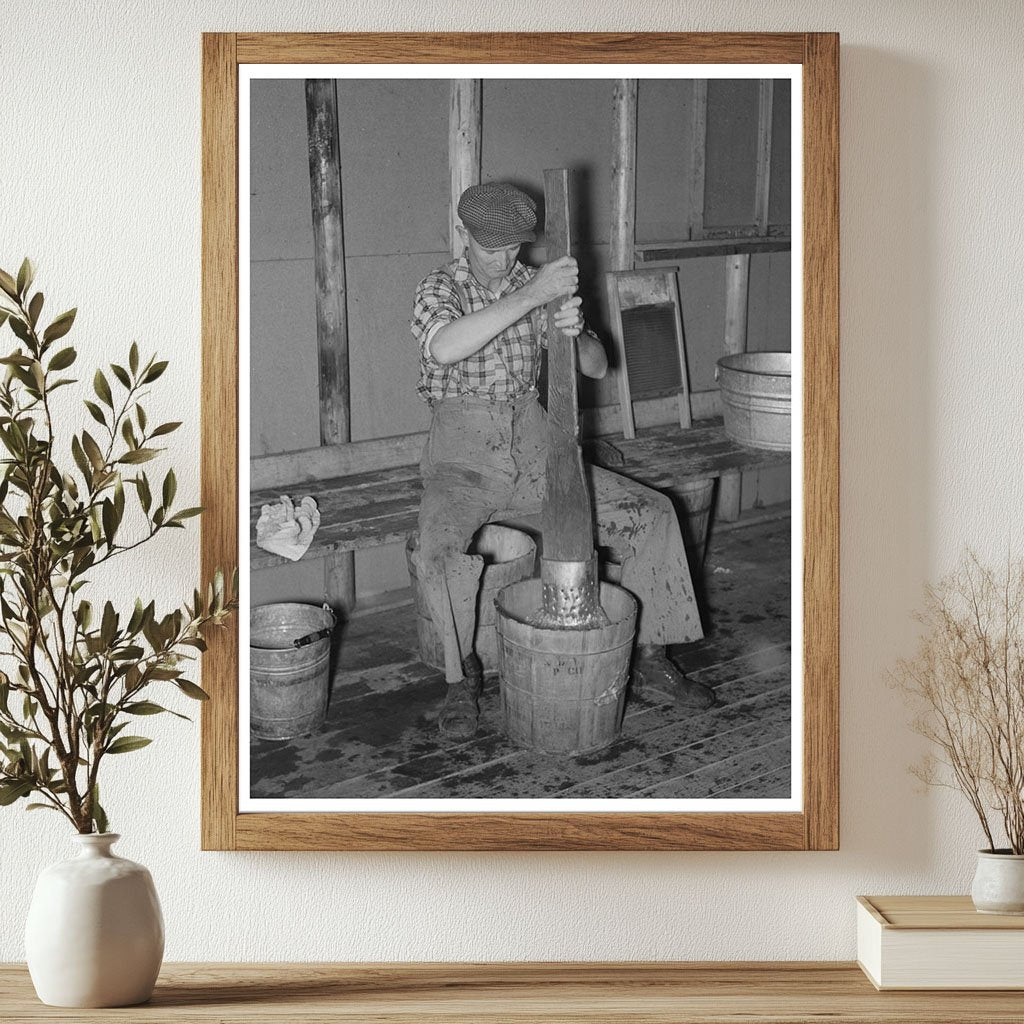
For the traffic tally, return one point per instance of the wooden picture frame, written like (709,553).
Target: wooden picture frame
(816,826)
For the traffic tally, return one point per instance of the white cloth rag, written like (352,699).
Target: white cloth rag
(286,530)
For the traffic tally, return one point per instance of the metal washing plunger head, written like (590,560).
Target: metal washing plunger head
(570,596)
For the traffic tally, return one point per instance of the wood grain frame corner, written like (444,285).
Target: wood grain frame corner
(817,827)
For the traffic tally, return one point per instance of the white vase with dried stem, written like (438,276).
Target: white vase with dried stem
(77,679)
(967,682)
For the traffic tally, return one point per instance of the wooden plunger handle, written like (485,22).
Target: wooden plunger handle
(567,522)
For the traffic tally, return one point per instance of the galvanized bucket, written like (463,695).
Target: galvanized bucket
(696,497)
(756,403)
(563,691)
(289,669)
(509,556)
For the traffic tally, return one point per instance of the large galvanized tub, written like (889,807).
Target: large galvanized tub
(563,691)
(756,403)
(509,556)
(288,684)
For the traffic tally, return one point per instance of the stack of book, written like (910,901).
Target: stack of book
(938,942)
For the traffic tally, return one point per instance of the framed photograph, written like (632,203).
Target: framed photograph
(488,602)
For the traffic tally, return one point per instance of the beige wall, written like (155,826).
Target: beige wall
(104,190)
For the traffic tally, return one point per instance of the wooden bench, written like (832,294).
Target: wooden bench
(365,509)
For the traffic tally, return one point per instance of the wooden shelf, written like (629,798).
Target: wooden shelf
(658,993)
(652,252)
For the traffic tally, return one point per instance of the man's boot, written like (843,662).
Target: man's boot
(652,667)
(460,711)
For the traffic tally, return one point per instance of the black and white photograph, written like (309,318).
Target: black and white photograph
(520,399)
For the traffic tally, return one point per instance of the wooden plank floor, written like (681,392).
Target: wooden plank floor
(381,737)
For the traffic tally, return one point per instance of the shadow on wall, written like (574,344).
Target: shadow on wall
(888,273)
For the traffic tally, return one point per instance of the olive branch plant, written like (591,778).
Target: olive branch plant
(80,674)
(967,681)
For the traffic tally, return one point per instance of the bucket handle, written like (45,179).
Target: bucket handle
(320,634)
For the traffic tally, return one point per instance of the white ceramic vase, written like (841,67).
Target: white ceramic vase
(95,934)
(999,883)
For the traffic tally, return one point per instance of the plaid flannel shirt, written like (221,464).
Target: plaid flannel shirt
(507,366)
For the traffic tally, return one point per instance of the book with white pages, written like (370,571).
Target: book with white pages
(938,942)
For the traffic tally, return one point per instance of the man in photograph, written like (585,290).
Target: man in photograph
(481,329)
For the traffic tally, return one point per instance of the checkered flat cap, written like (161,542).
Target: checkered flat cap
(498,214)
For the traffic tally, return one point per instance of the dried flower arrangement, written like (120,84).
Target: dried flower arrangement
(967,679)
